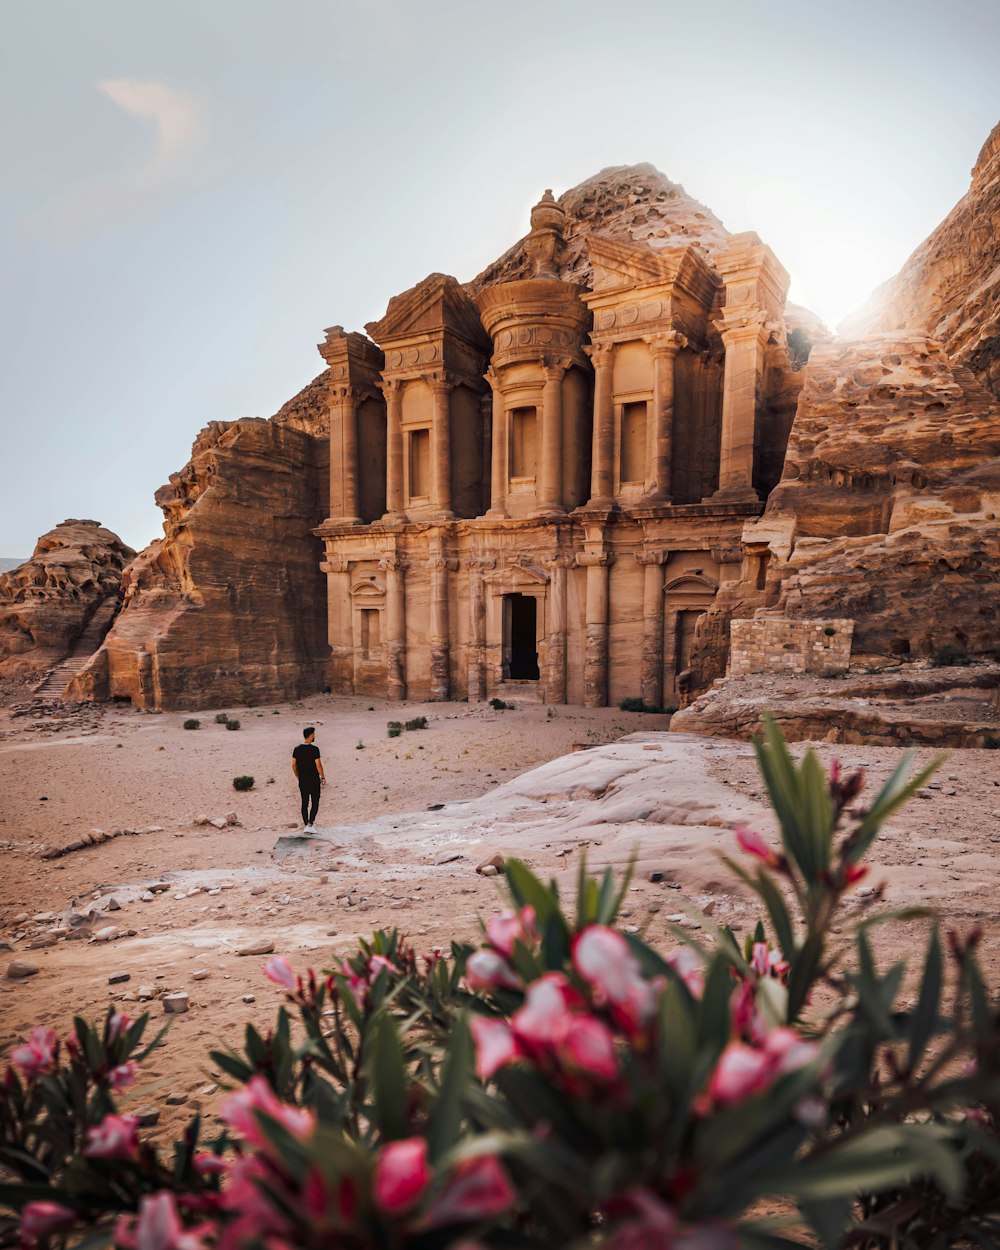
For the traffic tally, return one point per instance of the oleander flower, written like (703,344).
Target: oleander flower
(495,1045)
(402,1174)
(113,1138)
(279,970)
(41,1219)
(242,1111)
(477,1189)
(509,927)
(117,1025)
(123,1075)
(753,844)
(487,970)
(37,1055)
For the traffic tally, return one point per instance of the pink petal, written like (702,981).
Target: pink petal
(589,1048)
(487,970)
(159,1226)
(603,957)
(689,968)
(754,844)
(401,1174)
(476,1190)
(740,1072)
(39,1219)
(113,1138)
(495,1045)
(279,970)
(547,1014)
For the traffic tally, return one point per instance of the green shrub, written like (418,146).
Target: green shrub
(191,723)
(222,718)
(232,724)
(394,729)
(634,704)
(243,783)
(498,705)
(418,722)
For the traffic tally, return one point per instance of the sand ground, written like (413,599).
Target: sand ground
(385,844)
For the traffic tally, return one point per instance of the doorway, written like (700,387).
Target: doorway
(687,622)
(520,626)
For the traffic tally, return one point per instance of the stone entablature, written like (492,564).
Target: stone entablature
(778,645)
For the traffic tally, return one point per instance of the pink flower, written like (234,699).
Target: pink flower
(486,970)
(589,1049)
(753,844)
(688,966)
(741,1071)
(789,1051)
(279,970)
(854,873)
(208,1164)
(510,927)
(379,962)
(117,1025)
(401,1174)
(759,959)
(495,1045)
(159,1226)
(605,960)
(476,1190)
(39,1219)
(242,1112)
(652,1226)
(123,1075)
(547,1015)
(37,1055)
(113,1138)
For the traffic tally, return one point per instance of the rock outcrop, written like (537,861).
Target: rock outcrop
(950,286)
(72,583)
(230,605)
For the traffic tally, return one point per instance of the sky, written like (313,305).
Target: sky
(191,191)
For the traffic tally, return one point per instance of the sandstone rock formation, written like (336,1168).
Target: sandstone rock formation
(71,584)
(950,286)
(230,605)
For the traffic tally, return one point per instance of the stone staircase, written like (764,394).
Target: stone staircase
(53,684)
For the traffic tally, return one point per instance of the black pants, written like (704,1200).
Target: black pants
(310,800)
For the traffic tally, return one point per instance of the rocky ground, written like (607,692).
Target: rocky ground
(157,916)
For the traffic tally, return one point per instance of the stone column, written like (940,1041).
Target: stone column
(339,615)
(441,447)
(741,386)
(392,388)
(664,348)
(555,674)
(549,493)
(602,472)
(440,634)
(651,665)
(498,449)
(477,629)
(395,611)
(595,660)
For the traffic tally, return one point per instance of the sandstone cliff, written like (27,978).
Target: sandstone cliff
(230,605)
(73,579)
(950,286)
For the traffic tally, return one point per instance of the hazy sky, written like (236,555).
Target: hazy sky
(191,190)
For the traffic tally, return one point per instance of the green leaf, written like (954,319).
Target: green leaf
(456,1073)
(893,795)
(387,1069)
(802,973)
(924,1020)
(525,888)
(818,815)
(713,1014)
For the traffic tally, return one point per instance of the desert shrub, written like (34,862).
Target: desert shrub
(949,656)
(418,722)
(232,724)
(222,718)
(564,1083)
(243,782)
(498,705)
(394,728)
(191,723)
(634,704)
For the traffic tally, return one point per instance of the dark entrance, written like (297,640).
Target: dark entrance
(521,613)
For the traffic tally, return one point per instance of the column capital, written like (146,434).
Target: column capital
(478,564)
(650,557)
(390,385)
(440,381)
(442,564)
(554,367)
(594,559)
(669,343)
(393,564)
(493,379)
(336,564)
(601,354)
(742,327)
(561,561)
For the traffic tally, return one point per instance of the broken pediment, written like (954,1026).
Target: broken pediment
(434,307)
(624,267)
(514,578)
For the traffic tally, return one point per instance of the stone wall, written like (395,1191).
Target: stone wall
(774,645)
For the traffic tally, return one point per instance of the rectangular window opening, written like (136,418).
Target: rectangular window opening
(371,634)
(420,463)
(523,450)
(633,451)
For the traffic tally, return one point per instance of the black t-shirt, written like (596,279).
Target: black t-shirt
(305,756)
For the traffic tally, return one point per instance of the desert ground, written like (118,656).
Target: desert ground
(402,825)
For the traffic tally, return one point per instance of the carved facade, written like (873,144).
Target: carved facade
(537,489)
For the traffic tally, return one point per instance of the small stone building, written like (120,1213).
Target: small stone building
(537,488)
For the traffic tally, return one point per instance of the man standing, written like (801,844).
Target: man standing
(308,769)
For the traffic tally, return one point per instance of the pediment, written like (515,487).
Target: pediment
(624,267)
(434,307)
(367,590)
(514,577)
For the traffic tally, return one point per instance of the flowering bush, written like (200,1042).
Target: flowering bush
(564,1084)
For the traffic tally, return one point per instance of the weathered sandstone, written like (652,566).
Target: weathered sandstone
(229,606)
(71,584)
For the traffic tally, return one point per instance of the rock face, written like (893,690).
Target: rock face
(71,584)
(950,286)
(229,606)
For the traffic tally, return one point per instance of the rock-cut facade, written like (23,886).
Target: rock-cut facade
(539,481)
